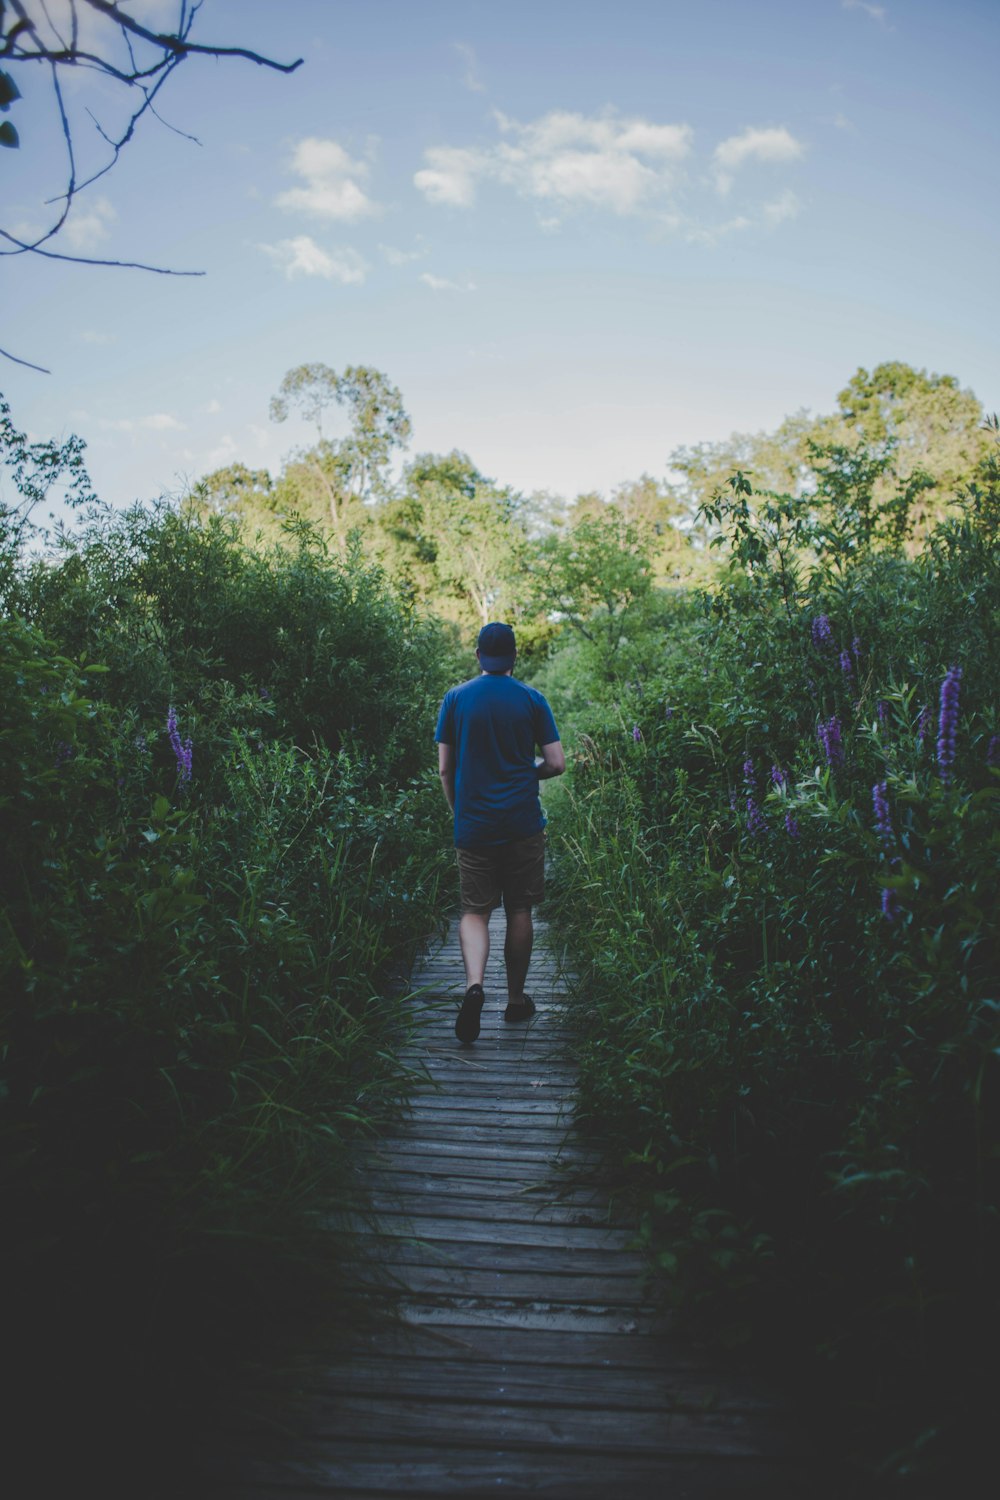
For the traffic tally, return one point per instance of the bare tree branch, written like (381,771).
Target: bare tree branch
(26,38)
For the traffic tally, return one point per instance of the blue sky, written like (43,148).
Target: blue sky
(576,235)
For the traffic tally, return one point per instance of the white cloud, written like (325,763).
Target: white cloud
(564,159)
(877,12)
(442,283)
(332,182)
(213,408)
(752,144)
(471,77)
(711,234)
(786,206)
(450,176)
(98,336)
(302,256)
(87,226)
(157,421)
(396,257)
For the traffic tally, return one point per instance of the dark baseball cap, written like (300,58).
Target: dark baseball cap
(497,647)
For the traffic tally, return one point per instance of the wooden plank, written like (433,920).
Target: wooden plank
(536,1286)
(544,1349)
(523,1258)
(465,1314)
(427,1227)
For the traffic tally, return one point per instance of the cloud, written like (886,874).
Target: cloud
(752,144)
(157,421)
(396,257)
(564,159)
(213,408)
(98,336)
(332,182)
(302,256)
(442,283)
(876,12)
(784,207)
(451,175)
(471,77)
(86,227)
(711,234)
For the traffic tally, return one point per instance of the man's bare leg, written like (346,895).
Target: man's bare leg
(517,953)
(474,938)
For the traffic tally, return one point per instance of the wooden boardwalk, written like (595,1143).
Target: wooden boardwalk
(526,1360)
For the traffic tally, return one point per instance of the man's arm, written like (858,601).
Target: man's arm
(551,762)
(446,771)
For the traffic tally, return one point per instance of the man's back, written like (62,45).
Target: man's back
(494,722)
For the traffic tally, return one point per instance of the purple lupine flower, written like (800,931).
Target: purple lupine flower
(264,695)
(882,710)
(924,723)
(636,733)
(890,908)
(792,827)
(748,771)
(993,751)
(668,712)
(846,665)
(948,722)
(778,776)
(856,648)
(756,822)
(822,634)
(883,818)
(64,752)
(732,799)
(140,744)
(829,736)
(183,750)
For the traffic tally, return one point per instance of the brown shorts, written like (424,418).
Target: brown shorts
(513,873)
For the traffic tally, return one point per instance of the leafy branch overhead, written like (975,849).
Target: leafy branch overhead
(98,36)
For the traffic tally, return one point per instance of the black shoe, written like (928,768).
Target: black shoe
(523,1011)
(467,1021)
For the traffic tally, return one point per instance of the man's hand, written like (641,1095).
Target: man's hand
(551,762)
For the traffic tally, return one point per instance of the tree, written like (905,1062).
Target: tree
(597,577)
(354,468)
(458,535)
(98,36)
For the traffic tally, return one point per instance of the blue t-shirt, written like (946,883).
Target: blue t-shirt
(495,722)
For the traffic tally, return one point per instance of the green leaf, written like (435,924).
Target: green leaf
(9,91)
(8,135)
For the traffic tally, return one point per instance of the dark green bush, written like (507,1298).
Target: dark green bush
(789,1021)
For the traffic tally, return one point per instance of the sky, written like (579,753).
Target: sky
(575,235)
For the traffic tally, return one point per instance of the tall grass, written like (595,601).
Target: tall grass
(779,868)
(220,853)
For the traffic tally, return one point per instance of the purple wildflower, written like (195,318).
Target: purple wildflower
(829,736)
(856,648)
(882,710)
(993,751)
(822,634)
(140,744)
(264,695)
(183,751)
(778,776)
(924,723)
(636,733)
(756,822)
(792,827)
(890,909)
(883,818)
(948,722)
(846,665)
(64,752)
(668,712)
(748,771)
(732,799)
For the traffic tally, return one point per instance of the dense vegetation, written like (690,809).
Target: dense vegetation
(776,866)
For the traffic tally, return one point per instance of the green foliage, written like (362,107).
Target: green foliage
(199,1012)
(788,1026)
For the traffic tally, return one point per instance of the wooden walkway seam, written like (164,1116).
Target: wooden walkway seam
(527,1358)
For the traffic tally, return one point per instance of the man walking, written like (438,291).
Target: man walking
(487,733)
